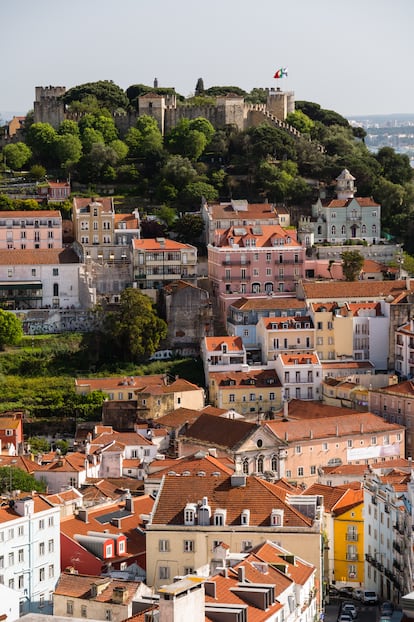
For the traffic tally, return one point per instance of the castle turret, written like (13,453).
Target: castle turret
(345,185)
(48,106)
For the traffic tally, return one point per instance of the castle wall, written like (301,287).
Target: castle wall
(48,106)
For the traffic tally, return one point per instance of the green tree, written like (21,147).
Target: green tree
(145,139)
(16,155)
(199,89)
(68,149)
(38,445)
(91,137)
(395,166)
(120,148)
(352,262)
(225,90)
(37,171)
(11,330)
(195,191)
(108,94)
(300,121)
(42,138)
(189,228)
(106,126)
(186,141)
(135,328)
(178,171)
(69,127)
(12,478)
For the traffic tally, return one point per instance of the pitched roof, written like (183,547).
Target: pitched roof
(331,494)
(38,256)
(337,290)
(292,322)
(250,210)
(158,244)
(130,221)
(215,343)
(194,464)
(218,431)
(263,236)
(153,384)
(240,379)
(259,496)
(268,302)
(308,409)
(331,427)
(35,214)
(79,586)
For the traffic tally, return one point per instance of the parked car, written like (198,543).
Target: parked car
(346,591)
(358,594)
(387,609)
(369,597)
(344,617)
(349,608)
(333,591)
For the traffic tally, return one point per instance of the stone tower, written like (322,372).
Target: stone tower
(48,106)
(280,103)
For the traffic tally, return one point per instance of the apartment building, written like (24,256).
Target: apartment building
(223,354)
(240,213)
(159,261)
(277,335)
(300,375)
(30,551)
(29,230)
(193,516)
(395,403)
(257,392)
(404,350)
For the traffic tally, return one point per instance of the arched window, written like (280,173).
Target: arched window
(55,289)
(260,463)
(274,463)
(268,287)
(255,288)
(333,230)
(343,229)
(374,229)
(319,230)
(363,229)
(246,466)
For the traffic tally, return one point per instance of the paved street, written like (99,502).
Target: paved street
(365,613)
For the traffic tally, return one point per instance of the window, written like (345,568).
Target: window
(108,614)
(300,471)
(1,561)
(11,534)
(188,546)
(51,571)
(84,611)
(21,530)
(11,584)
(324,446)
(260,464)
(232,397)
(69,607)
(41,548)
(55,271)
(349,442)
(163,546)
(11,559)
(288,473)
(373,440)
(313,469)
(164,572)
(42,574)
(246,545)
(298,449)
(20,582)
(41,524)
(21,555)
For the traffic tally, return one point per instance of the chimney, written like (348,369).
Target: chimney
(241,574)
(361,430)
(285,409)
(83,514)
(129,504)
(120,595)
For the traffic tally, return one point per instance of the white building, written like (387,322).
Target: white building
(30,551)
(300,375)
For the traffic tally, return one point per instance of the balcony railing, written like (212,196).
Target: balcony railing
(352,537)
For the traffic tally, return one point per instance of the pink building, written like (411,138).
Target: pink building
(21,230)
(252,260)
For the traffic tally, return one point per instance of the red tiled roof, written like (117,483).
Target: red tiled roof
(265,239)
(331,427)
(79,586)
(150,244)
(240,379)
(331,494)
(218,431)
(268,302)
(193,465)
(38,214)
(215,343)
(287,322)
(47,256)
(259,496)
(338,290)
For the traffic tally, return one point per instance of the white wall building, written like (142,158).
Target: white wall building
(30,551)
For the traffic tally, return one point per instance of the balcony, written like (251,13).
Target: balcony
(352,557)
(235,262)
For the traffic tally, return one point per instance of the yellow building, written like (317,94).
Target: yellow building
(257,392)
(348,544)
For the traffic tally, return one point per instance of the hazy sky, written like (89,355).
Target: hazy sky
(351,56)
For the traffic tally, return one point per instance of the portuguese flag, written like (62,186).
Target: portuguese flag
(280,73)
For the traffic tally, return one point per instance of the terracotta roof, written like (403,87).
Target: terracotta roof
(152,384)
(347,365)
(402,388)
(362,201)
(123,438)
(329,427)
(331,494)
(179,417)
(65,496)
(150,244)
(40,505)
(82,202)
(349,500)
(38,256)
(218,431)
(299,359)
(131,525)
(79,586)
(33,214)
(257,495)
(291,323)
(268,302)
(254,210)
(308,409)
(192,465)
(129,220)
(299,571)
(337,290)
(10,423)
(258,378)
(215,343)
(356,307)
(372,266)
(244,234)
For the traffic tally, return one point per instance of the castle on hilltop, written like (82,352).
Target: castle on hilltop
(228,110)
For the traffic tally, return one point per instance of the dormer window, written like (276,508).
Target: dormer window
(276,518)
(224,348)
(245,517)
(189,514)
(220,517)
